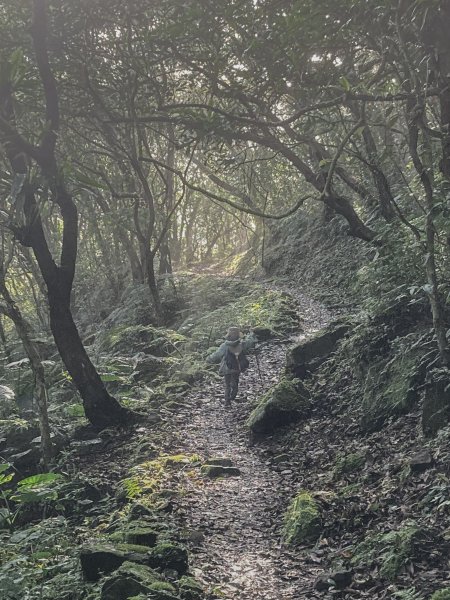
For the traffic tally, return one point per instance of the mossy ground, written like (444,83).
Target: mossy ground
(391,550)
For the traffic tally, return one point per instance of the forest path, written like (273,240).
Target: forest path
(235,522)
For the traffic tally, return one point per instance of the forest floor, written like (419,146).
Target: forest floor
(233,526)
(235,522)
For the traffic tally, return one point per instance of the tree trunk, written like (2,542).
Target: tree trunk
(101,409)
(40,390)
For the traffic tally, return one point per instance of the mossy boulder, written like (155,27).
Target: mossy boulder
(102,559)
(347,464)
(137,533)
(147,368)
(391,387)
(306,356)
(134,580)
(190,589)
(441,594)
(287,402)
(302,521)
(168,555)
(215,471)
(126,340)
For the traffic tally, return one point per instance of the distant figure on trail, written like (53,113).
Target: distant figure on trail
(231,356)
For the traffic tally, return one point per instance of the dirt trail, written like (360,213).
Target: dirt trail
(235,522)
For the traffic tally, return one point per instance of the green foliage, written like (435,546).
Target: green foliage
(391,550)
(302,522)
(36,489)
(37,563)
(409,594)
(443,594)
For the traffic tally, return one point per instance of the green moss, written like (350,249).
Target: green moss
(190,589)
(163,586)
(260,307)
(302,521)
(441,594)
(135,548)
(139,572)
(147,478)
(348,463)
(390,550)
(136,533)
(170,556)
(286,402)
(139,338)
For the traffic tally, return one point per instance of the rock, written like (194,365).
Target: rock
(169,556)
(103,559)
(342,579)
(304,358)
(140,510)
(86,447)
(302,522)
(287,402)
(421,461)
(190,589)
(436,406)
(18,436)
(338,579)
(147,368)
(85,432)
(322,583)
(221,462)
(131,580)
(26,460)
(214,471)
(263,334)
(391,387)
(98,560)
(137,533)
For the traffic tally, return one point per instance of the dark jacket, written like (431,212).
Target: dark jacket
(218,357)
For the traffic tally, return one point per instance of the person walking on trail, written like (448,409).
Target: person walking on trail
(231,356)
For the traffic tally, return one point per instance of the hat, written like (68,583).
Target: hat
(233,334)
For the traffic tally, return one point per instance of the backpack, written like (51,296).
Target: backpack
(236,362)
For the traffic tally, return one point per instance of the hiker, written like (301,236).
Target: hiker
(232,359)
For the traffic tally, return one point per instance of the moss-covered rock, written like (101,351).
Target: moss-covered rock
(190,589)
(305,357)
(169,556)
(137,533)
(286,402)
(348,463)
(100,560)
(389,389)
(122,339)
(303,521)
(135,580)
(443,594)
(214,471)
